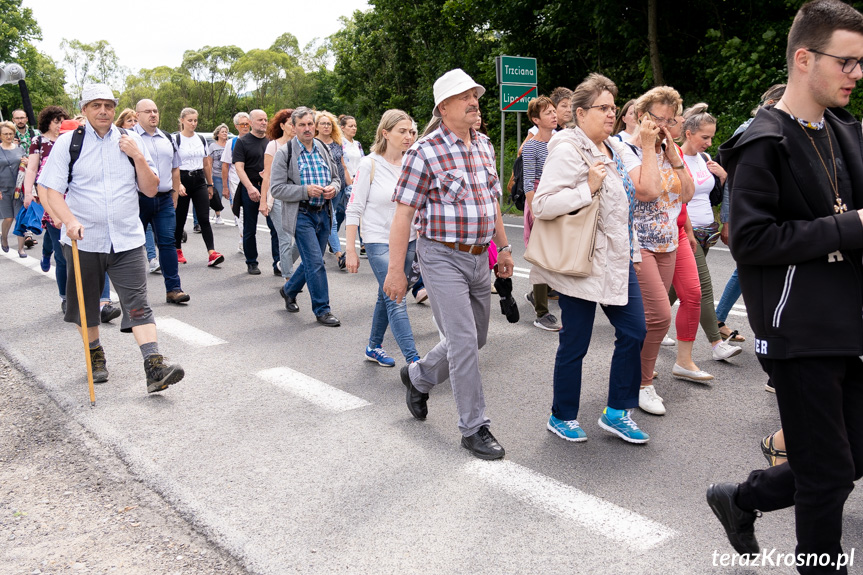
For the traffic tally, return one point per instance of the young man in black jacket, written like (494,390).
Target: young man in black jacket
(797,188)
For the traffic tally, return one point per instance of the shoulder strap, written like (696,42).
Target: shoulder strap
(204,143)
(168,137)
(704,157)
(234,142)
(372,174)
(75,149)
(177,136)
(290,146)
(126,133)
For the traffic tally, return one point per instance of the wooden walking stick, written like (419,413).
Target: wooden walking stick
(83,313)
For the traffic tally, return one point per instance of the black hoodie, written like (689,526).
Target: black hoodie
(799,262)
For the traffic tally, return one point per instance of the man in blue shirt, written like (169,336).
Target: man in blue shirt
(159,210)
(100,210)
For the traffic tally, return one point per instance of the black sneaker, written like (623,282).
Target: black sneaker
(769,386)
(739,524)
(363,254)
(160,375)
(97,363)
(417,401)
(196,228)
(185,236)
(108,313)
(483,444)
(343,262)
(63,306)
(253,269)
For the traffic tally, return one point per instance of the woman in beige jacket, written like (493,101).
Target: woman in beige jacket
(569,183)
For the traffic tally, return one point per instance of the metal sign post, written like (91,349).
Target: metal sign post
(516,77)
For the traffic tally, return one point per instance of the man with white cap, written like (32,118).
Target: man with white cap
(104,169)
(450,184)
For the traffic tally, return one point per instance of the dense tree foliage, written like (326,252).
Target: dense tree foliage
(44,79)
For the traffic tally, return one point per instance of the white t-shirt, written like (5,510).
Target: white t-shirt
(192,153)
(372,202)
(353,153)
(623,136)
(700,212)
(228,158)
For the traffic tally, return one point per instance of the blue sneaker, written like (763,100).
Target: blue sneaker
(568,430)
(380,356)
(45,264)
(618,422)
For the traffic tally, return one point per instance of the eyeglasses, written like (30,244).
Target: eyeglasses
(605,108)
(245,125)
(848,64)
(662,121)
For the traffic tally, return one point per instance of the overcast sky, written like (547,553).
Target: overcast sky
(179,25)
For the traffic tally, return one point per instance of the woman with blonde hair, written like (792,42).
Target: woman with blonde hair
(585,165)
(662,185)
(328,131)
(372,203)
(127,119)
(196,175)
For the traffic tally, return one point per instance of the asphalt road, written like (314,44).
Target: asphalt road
(287,448)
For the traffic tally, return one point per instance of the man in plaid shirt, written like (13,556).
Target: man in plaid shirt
(449,183)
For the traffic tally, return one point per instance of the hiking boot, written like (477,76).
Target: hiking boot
(160,375)
(178,296)
(97,362)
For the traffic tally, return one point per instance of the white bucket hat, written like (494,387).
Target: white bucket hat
(453,83)
(97,92)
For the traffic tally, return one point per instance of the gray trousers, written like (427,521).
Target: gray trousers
(288,253)
(460,294)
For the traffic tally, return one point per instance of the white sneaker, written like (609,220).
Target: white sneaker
(697,376)
(240,248)
(723,351)
(218,219)
(649,401)
(154,266)
(667,341)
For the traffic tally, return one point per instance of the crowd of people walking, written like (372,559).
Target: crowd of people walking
(622,207)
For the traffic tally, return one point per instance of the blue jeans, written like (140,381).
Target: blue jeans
(387,311)
(250,228)
(629,330)
(340,203)
(730,295)
(47,244)
(150,242)
(59,259)
(313,229)
(159,214)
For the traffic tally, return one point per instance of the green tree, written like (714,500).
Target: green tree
(213,74)
(92,63)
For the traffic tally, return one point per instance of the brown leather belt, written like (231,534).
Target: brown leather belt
(473,250)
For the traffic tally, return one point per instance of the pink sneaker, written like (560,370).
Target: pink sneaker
(181,259)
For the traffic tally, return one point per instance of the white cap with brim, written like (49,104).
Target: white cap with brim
(453,83)
(97,92)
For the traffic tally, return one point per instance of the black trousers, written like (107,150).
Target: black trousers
(820,405)
(196,194)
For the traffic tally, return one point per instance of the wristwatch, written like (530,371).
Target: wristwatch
(506,248)
(209,185)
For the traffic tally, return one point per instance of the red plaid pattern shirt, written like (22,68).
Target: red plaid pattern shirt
(454,189)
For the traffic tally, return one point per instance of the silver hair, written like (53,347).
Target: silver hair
(239,116)
(300,113)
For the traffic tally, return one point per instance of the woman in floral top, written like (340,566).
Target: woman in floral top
(662,185)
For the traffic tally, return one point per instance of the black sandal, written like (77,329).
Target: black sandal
(770,452)
(733,336)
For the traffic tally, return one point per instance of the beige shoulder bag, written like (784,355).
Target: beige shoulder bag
(565,245)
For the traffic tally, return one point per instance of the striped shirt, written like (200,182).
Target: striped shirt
(454,189)
(313,170)
(103,193)
(163,154)
(533,156)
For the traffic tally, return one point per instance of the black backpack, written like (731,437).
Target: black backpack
(75,149)
(203,141)
(516,193)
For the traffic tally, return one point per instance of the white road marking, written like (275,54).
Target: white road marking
(592,513)
(312,390)
(30,261)
(187,333)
